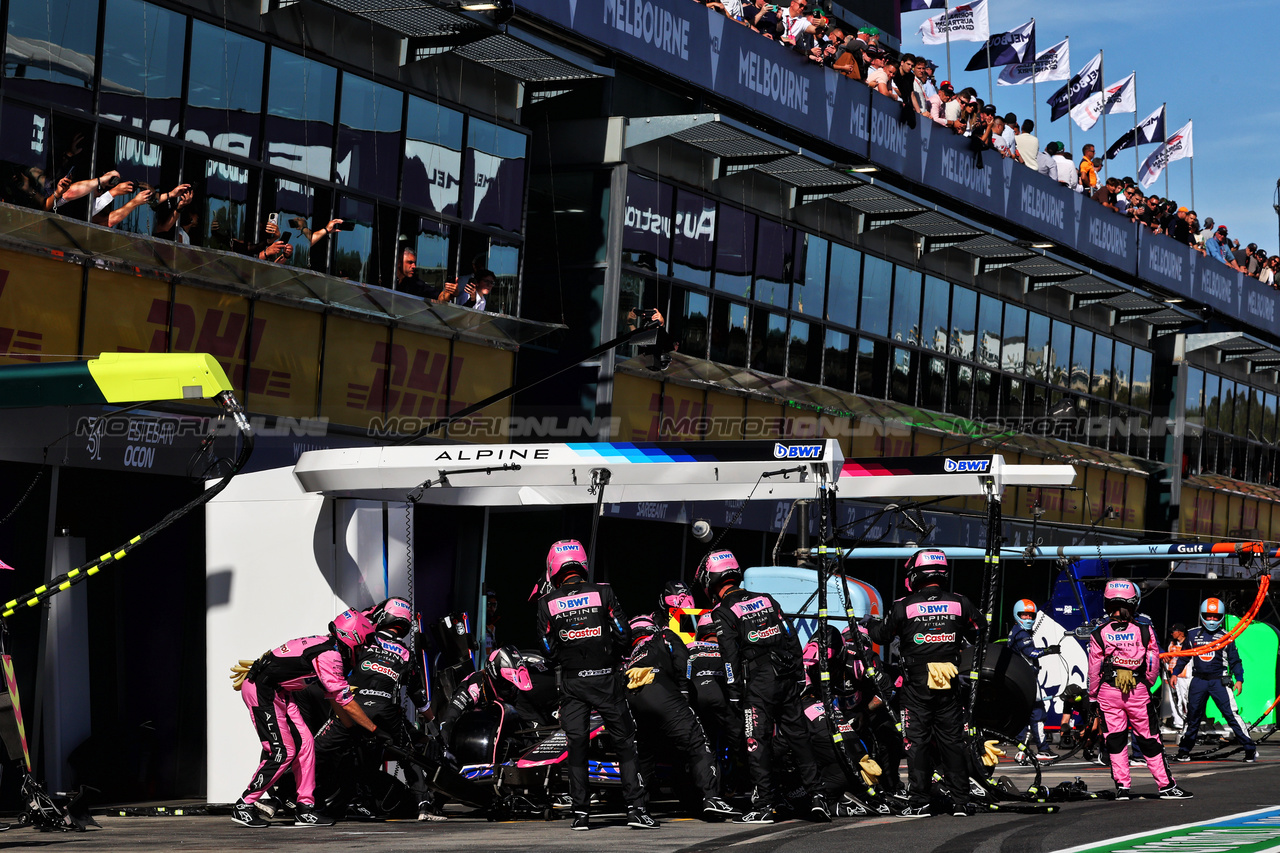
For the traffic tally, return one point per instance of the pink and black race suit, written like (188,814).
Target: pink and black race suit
(751,629)
(1129,645)
(583,629)
(268,693)
(931,625)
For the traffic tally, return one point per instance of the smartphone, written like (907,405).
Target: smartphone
(347,225)
(70,173)
(273,219)
(285,236)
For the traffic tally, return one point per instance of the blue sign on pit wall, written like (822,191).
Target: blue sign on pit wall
(705,49)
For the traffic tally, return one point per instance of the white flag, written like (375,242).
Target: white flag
(963,23)
(1118,98)
(1051,64)
(1175,147)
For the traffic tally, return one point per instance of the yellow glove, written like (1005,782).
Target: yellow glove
(639,676)
(238,673)
(940,675)
(870,770)
(1125,680)
(991,753)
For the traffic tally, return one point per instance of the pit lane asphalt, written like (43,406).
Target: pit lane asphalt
(1220,788)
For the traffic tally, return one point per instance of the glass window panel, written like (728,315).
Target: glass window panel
(1140,382)
(1081,358)
(145,165)
(903,378)
(646,230)
(688,321)
(1227,408)
(877,280)
(1255,413)
(369,136)
(1013,351)
(1011,396)
(1100,383)
(933,383)
(729,321)
(433,157)
(775,263)
(224,94)
(300,209)
(986,396)
(353,249)
(804,356)
(222,192)
(1269,419)
(50,51)
(873,367)
(695,229)
(1121,363)
(990,311)
(808,294)
(430,242)
(964,313)
(142,51)
(1212,400)
(960,390)
(1060,354)
(504,263)
(735,247)
(300,104)
(769,342)
(837,370)
(935,308)
(493,189)
(1193,396)
(905,322)
(1038,328)
(843,284)
(25,150)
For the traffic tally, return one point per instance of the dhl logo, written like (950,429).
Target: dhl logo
(222,335)
(417,386)
(17,343)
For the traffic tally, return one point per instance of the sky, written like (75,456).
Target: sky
(1215,63)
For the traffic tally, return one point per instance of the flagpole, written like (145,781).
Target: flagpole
(1136,164)
(1102,75)
(991,94)
(1192,158)
(1167,164)
(1035,102)
(946,16)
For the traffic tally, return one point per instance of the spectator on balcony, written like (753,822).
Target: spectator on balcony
(999,141)
(1206,233)
(938,105)
(1065,170)
(795,22)
(1218,247)
(880,77)
(1106,195)
(1178,227)
(1088,173)
(1028,144)
(1044,160)
(905,84)
(1256,258)
(1010,132)
(475,294)
(1268,274)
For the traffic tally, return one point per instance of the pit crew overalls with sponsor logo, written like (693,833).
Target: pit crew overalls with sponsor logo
(585,632)
(268,692)
(765,676)
(932,625)
(1127,646)
(343,754)
(1212,674)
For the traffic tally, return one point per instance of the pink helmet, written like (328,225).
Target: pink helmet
(719,568)
(676,594)
(926,566)
(1121,593)
(706,626)
(507,665)
(395,616)
(643,626)
(351,628)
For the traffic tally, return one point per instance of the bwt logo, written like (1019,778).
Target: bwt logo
(1126,637)
(751,606)
(928,609)
(571,603)
(561,549)
(797,451)
(966,466)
